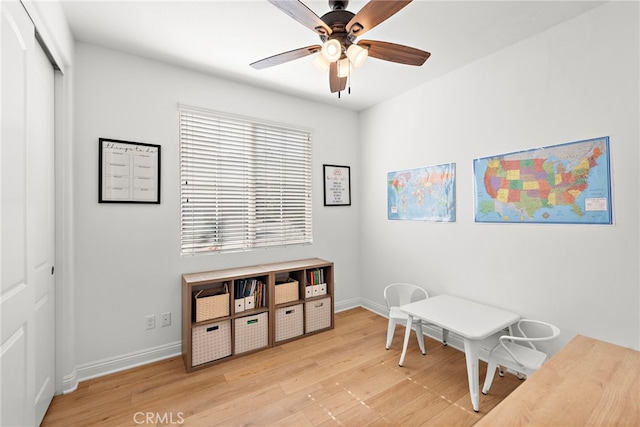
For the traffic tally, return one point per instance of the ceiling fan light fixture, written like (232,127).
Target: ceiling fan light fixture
(331,50)
(321,63)
(338,30)
(357,55)
(345,68)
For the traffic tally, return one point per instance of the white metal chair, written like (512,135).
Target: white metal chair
(395,295)
(518,353)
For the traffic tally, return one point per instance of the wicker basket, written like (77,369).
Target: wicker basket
(286,292)
(251,332)
(210,342)
(317,314)
(210,306)
(289,322)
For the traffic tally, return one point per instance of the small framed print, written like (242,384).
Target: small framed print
(129,172)
(337,185)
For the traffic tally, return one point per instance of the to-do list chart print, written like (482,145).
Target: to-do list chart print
(129,172)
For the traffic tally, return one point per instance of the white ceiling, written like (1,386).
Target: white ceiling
(223,37)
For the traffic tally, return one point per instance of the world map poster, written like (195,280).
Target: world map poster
(423,194)
(567,183)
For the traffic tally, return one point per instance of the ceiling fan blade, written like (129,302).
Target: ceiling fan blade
(336,84)
(395,52)
(281,58)
(301,13)
(373,13)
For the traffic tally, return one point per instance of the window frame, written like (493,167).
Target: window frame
(245,184)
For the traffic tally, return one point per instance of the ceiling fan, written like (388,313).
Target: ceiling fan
(338,29)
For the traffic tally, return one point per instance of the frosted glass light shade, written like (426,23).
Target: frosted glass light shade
(357,55)
(321,63)
(344,67)
(332,50)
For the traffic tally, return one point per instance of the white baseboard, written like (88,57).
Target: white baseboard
(128,361)
(70,382)
(347,305)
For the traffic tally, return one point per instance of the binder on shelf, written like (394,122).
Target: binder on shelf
(316,284)
(249,294)
(315,277)
(318,290)
(249,302)
(239,305)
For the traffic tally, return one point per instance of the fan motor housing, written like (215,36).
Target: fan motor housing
(337,20)
(338,4)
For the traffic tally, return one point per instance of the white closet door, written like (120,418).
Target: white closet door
(27,315)
(41,223)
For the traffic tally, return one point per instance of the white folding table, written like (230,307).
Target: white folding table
(471,320)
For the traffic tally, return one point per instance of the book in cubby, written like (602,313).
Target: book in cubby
(316,283)
(249,293)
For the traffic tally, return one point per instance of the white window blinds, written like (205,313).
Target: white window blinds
(245,184)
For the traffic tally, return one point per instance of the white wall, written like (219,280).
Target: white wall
(576,81)
(128,262)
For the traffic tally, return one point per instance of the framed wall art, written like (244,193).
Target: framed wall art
(129,172)
(337,185)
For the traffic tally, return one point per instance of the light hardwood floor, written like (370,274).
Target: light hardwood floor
(339,377)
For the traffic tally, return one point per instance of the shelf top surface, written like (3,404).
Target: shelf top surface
(254,270)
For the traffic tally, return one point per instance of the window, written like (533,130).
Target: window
(245,184)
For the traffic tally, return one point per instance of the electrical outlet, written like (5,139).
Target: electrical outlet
(150,321)
(166,319)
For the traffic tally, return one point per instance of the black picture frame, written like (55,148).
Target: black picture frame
(337,185)
(128,172)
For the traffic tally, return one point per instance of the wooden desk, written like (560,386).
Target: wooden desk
(588,382)
(471,320)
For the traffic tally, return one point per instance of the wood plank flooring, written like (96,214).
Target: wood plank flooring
(339,377)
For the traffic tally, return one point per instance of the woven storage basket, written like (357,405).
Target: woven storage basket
(317,314)
(210,306)
(289,322)
(251,332)
(210,342)
(286,292)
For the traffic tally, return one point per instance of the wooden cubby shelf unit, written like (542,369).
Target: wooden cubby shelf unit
(236,311)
